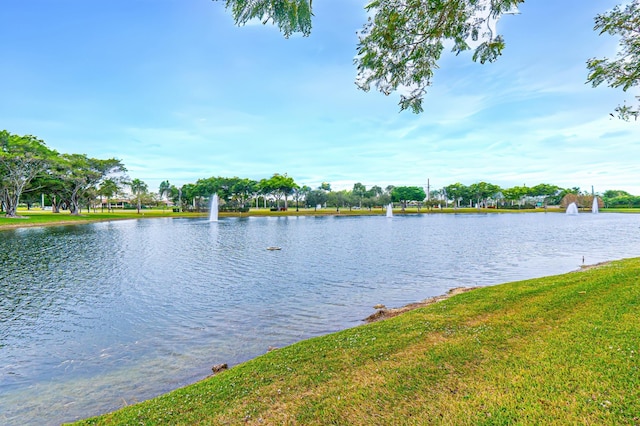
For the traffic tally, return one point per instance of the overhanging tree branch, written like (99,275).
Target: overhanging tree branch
(401,42)
(624,70)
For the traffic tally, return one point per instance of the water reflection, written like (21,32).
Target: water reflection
(94,316)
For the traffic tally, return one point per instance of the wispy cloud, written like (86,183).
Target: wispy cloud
(180,93)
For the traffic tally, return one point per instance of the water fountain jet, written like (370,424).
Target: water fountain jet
(572,209)
(213,212)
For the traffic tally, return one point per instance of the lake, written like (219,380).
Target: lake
(93,317)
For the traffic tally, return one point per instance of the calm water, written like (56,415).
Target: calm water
(94,317)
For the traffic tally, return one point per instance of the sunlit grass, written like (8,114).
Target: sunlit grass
(556,350)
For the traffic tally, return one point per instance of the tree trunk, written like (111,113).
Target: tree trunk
(11,209)
(10,204)
(55,207)
(74,208)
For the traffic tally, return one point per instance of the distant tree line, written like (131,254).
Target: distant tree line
(483,194)
(620,199)
(239,194)
(276,193)
(30,171)
(236,194)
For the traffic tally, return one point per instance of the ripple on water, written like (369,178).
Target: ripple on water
(96,316)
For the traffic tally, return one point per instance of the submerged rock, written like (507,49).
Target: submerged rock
(385,312)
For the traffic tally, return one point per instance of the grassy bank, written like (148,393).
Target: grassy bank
(556,350)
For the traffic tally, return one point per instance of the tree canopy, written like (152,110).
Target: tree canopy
(278,185)
(81,173)
(624,71)
(291,16)
(404,194)
(22,159)
(138,188)
(27,164)
(402,41)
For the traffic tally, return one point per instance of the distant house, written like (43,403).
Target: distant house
(115,203)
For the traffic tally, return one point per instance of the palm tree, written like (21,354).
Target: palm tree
(138,188)
(164,191)
(301,193)
(165,188)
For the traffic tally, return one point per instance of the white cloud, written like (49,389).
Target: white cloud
(213,99)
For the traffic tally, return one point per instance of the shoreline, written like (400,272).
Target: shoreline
(383,312)
(63,219)
(22,221)
(577,291)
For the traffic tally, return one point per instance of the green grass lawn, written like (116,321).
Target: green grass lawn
(556,350)
(36,217)
(627,210)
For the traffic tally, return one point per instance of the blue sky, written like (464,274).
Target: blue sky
(177,92)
